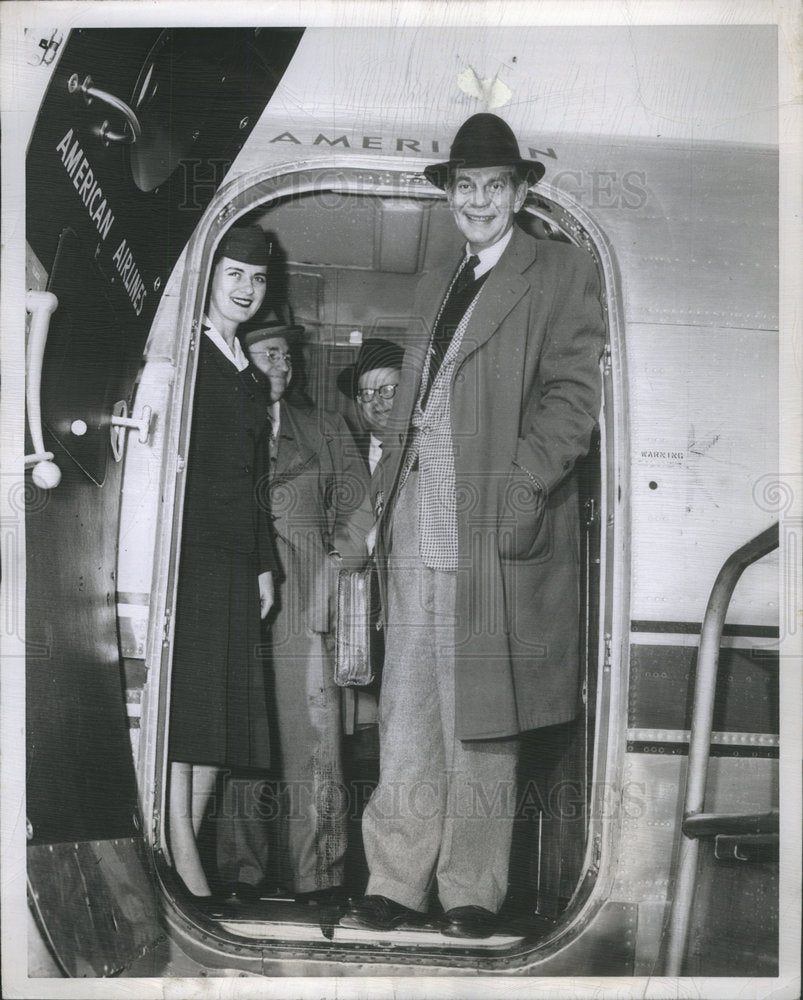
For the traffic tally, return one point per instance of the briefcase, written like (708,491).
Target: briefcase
(353,628)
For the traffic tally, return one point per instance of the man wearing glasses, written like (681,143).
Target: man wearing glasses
(371,383)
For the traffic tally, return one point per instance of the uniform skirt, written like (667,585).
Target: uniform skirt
(218,711)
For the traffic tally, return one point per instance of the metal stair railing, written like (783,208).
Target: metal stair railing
(695,822)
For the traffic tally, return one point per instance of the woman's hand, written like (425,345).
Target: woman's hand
(265,593)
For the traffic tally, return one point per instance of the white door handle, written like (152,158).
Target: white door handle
(41,305)
(105,131)
(120,422)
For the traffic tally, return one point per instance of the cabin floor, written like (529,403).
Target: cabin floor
(278,914)
(281,918)
(278,920)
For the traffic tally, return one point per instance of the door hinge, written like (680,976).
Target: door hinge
(227,210)
(596,857)
(166,627)
(607,650)
(46,49)
(606,360)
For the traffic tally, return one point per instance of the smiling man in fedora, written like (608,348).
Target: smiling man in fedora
(498,397)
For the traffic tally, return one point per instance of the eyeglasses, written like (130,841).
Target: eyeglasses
(385,391)
(274,355)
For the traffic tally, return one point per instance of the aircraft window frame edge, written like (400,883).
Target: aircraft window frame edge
(361,175)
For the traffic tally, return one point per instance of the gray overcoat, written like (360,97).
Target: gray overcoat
(525,400)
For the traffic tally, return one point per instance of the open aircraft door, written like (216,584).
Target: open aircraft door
(134,135)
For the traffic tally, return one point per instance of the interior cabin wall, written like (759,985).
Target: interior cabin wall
(334,303)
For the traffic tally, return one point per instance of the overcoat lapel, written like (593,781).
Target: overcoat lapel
(293,454)
(500,293)
(429,295)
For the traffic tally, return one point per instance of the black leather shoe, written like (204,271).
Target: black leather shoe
(469,922)
(382,914)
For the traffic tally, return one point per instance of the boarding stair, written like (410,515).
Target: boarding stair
(743,837)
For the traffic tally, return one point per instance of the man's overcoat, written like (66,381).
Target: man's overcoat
(316,484)
(525,398)
(364,489)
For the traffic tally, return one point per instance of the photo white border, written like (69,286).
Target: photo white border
(16,123)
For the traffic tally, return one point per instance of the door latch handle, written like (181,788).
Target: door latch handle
(121,422)
(41,306)
(91,93)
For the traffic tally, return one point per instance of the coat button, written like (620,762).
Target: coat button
(246,468)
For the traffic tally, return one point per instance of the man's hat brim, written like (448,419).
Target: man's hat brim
(289,331)
(438,173)
(346,382)
(374,353)
(484,140)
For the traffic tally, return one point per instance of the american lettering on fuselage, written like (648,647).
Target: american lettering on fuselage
(129,272)
(85,183)
(398,145)
(591,188)
(91,194)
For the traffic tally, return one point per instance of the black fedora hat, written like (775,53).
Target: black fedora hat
(275,326)
(373,353)
(484,140)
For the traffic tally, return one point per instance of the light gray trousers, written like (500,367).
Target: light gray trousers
(444,808)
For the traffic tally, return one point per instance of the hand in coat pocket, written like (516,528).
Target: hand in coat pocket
(522,504)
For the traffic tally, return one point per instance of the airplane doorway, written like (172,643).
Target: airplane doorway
(353,254)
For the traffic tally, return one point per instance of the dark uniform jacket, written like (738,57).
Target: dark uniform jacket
(218,712)
(226,493)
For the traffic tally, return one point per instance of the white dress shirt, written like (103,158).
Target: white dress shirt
(236,355)
(490,255)
(374,453)
(274,412)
